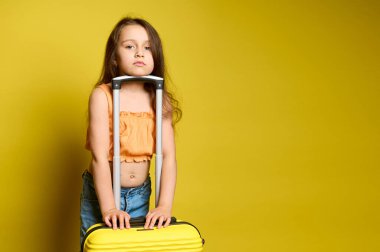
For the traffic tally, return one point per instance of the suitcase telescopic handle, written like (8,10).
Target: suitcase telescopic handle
(116,86)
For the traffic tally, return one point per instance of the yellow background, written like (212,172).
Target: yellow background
(278,149)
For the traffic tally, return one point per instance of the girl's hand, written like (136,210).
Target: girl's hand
(114,216)
(161,214)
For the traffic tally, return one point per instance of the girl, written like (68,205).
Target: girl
(133,48)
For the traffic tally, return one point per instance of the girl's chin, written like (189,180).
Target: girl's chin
(136,73)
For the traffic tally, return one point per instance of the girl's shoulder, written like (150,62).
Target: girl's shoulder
(102,89)
(101,94)
(105,87)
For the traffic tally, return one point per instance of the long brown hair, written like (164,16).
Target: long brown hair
(110,69)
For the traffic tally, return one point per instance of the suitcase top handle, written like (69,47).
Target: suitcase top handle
(158,81)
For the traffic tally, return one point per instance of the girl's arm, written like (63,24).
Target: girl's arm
(99,144)
(168,179)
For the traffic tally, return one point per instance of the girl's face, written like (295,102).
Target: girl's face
(134,56)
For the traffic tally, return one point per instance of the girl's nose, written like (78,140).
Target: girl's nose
(139,54)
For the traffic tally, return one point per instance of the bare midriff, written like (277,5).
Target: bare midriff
(132,174)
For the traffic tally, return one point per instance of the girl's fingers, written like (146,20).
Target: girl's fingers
(148,218)
(152,221)
(114,221)
(107,221)
(167,222)
(160,221)
(152,217)
(146,226)
(121,220)
(127,225)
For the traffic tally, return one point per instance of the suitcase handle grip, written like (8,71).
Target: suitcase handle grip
(140,221)
(158,81)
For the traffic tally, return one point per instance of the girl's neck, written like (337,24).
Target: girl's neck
(133,87)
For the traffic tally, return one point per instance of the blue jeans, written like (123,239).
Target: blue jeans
(134,200)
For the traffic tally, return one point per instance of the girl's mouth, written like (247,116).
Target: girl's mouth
(139,63)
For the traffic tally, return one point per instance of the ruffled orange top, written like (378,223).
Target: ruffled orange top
(137,133)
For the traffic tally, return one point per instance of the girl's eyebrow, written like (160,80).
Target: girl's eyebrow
(133,40)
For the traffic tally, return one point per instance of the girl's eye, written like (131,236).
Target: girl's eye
(147,48)
(129,46)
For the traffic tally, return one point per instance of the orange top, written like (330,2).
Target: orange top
(137,133)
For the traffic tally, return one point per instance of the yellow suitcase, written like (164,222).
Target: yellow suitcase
(178,236)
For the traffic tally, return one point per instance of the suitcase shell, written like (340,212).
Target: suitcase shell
(178,236)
